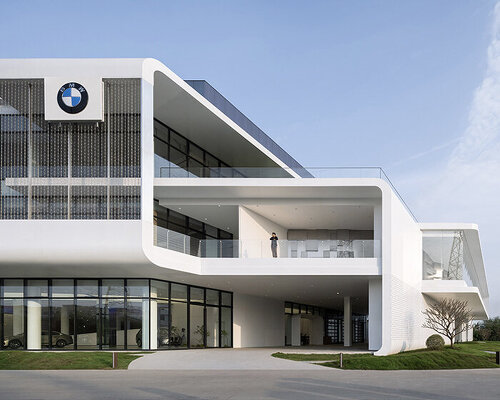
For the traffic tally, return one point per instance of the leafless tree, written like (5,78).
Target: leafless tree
(448,317)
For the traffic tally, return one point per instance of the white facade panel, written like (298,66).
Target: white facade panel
(258,321)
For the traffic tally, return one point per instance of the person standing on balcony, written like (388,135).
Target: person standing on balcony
(274,244)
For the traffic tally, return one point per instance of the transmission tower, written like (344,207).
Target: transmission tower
(455,268)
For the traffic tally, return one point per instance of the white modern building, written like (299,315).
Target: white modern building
(136,210)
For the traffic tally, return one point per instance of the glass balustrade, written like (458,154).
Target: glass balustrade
(214,248)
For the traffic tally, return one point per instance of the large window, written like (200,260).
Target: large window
(177,157)
(89,314)
(196,238)
(445,255)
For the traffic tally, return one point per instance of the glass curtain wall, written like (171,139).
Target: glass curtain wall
(178,157)
(33,149)
(200,234)
(92,314)
(445,255)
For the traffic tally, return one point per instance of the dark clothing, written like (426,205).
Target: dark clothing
(275,251)
(274,245)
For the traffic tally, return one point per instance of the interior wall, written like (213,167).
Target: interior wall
(257,321)
(254,233)
(329,234)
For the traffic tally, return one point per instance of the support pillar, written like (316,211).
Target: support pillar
(347,321)
(295,331)
(145,324)
(34,327)
(154,319)
(65,320)
(17,317)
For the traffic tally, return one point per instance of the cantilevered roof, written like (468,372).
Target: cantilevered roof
(224,105)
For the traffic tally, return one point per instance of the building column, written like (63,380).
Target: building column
(64,320)
(295,331)
(374,314)
(34,328)
(145,324)
(347,321)
(17,317)
(154,319)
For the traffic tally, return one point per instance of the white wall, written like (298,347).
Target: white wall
(257,321)
(402,300)
(255,231)
(374,314)
(318,330)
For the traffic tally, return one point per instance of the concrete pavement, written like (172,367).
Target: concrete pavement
(255,385)
(233,359)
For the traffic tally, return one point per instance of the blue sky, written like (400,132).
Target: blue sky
(406,85)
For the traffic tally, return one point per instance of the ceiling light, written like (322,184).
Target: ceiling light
(338,293)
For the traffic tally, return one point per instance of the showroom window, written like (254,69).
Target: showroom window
(112,314)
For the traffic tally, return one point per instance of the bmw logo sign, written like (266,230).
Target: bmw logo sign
(72,98)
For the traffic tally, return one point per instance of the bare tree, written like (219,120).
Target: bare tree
(448,317)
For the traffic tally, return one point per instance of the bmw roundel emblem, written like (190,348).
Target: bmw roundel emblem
(72,98)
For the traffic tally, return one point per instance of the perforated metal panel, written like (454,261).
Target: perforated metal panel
(69,170)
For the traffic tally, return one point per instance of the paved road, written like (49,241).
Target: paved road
(255,385)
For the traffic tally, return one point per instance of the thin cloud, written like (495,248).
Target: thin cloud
(427,152)
(467,187)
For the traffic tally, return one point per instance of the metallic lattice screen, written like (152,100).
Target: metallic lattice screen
(69,170)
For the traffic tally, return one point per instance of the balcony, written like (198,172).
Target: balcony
(213,248)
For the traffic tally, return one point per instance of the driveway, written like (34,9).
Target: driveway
(232,359)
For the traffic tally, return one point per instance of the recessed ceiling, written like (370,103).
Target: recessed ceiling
(318,217)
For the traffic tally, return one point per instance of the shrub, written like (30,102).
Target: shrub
(435,342)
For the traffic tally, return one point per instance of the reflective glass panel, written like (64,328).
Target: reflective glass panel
(87,288)
(137,288)
(87,324)
(13,288)
(112,288)
(159,289)
(213,297)
(113,324)
(226,327)
(178,330)
(197,295)
(226,298)
(138,324)
(37,288)
(160,318)
(179,292)
(63,288)
(13,324)
(212,331)
(196,326)
(62,324)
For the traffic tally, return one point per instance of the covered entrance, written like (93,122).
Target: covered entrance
(307,325)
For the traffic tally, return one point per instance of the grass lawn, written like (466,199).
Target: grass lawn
(464,355)
(63,360)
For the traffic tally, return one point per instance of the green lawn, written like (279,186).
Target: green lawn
(465,355)
(63,360)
